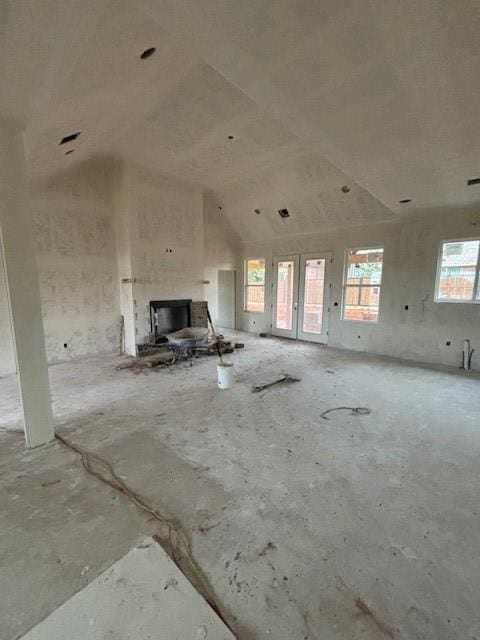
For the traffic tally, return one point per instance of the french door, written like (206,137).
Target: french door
(300,296)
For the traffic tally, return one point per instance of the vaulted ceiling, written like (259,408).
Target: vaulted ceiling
(379,96)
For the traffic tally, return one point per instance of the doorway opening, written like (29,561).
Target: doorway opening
(301,289)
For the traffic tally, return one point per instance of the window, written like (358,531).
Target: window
(255,285)
(362,283)
(457,272)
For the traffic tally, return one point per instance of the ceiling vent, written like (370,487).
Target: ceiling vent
(473,181)
(70,138)
(283,213)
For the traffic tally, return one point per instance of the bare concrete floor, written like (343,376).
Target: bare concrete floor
(292,517)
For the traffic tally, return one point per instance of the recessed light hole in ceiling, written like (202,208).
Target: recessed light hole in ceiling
(257,211)
(219,208)
(405,200)
(70,138)
(231,137)
(473,181)
(147,53)
(283,213)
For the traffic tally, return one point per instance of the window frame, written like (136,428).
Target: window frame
(344,285)
(476,282)
(246,285)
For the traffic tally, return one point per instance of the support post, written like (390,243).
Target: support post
(23,288)
(124,256)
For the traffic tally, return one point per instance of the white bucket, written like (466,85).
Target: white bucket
(225,375)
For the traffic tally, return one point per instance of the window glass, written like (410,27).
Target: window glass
(362,284)
(458,271)
(255,285)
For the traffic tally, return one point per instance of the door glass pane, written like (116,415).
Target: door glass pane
(314,289)
(285,275)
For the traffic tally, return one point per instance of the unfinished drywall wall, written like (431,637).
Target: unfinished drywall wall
(105,222)
(164,223)
(222,249)
(421,331)
(76,257)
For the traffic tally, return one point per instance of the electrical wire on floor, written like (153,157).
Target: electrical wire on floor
(354,411)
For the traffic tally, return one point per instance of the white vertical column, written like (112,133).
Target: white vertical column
(22,285)
(124,257)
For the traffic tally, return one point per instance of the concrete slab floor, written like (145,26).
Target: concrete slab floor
(142,596)
(292,517)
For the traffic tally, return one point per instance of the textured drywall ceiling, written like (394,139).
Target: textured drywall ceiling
(380,95)
(310,188)
(388,91)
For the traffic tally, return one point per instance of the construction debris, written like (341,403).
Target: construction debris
(216,337)
(210,349)
(162,356)
(354,411)
(286,377)
(184,344)
(163,359)
(367,611)
(270,546)
(186,340)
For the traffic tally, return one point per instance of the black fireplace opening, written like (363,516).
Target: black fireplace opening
(167,316)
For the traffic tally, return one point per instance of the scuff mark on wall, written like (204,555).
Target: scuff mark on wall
(423,307)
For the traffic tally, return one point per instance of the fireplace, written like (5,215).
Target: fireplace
(167,316)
